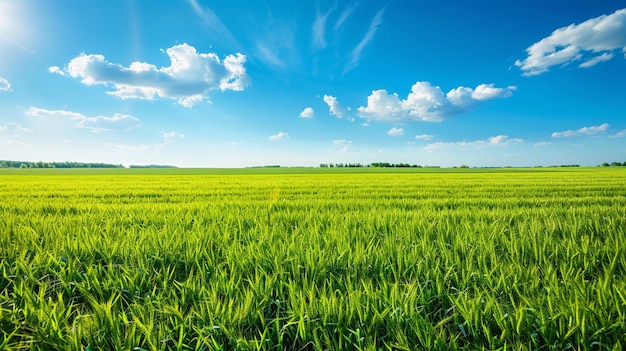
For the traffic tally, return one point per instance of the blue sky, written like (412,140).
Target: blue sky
(198,83)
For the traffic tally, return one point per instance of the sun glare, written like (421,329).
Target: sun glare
(13,24)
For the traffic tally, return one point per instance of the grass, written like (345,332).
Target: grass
(313,259)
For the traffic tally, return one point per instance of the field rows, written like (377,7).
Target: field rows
(319,260)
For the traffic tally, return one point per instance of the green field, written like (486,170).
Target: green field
(434,259)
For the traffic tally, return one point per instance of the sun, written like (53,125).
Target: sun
(13,24)
(7,18)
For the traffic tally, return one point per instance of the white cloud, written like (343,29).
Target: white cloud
(131,148)
(335,108)
(597,59)
(597,37)
(167,137)
(308,112)
(319,28)
(217,29)
(13,127)
(173,135)
(344,16)
(543,143)
(343,145)
(279,136)
(10,133)
(424,137)
(498,139)
(276,44)
(95,124)
(488,91)
(426,102)
(356,52)
(593,130)
(619,134)
(395,131)
(4,85)
(495,141)
(56,70)
(189,78)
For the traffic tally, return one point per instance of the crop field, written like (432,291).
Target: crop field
(299,259)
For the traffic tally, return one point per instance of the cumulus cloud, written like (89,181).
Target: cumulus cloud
(4,85)
(279,136)
(495,141)
(426,102)
(308,112)
(189,78)
(592,42)
(424,137)
(593,130)
(95,124)
(395,131)
(335,108)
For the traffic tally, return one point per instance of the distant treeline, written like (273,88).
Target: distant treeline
(26,164)
(614,164)
(373,164)
(152,166)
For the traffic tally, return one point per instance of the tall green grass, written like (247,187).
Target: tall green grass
(319,260)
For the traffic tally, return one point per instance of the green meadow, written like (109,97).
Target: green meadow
(313,259)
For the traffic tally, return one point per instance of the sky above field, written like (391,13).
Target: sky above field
(199,83)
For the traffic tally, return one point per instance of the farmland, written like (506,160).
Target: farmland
(313,259)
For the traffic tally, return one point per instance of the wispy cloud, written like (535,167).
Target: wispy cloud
(10,133)
(593,130)
(189,78)
(132,148)
(344,16)
(276,44)
(216,27)
(95,124)
(426,102)
(343,145)
(278,136)
(619,134)
(13,127)
(424,137)
(4,84)
(319,28)
(597,37)
(167,139)
(342,142)
(495,141)
(356,52)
